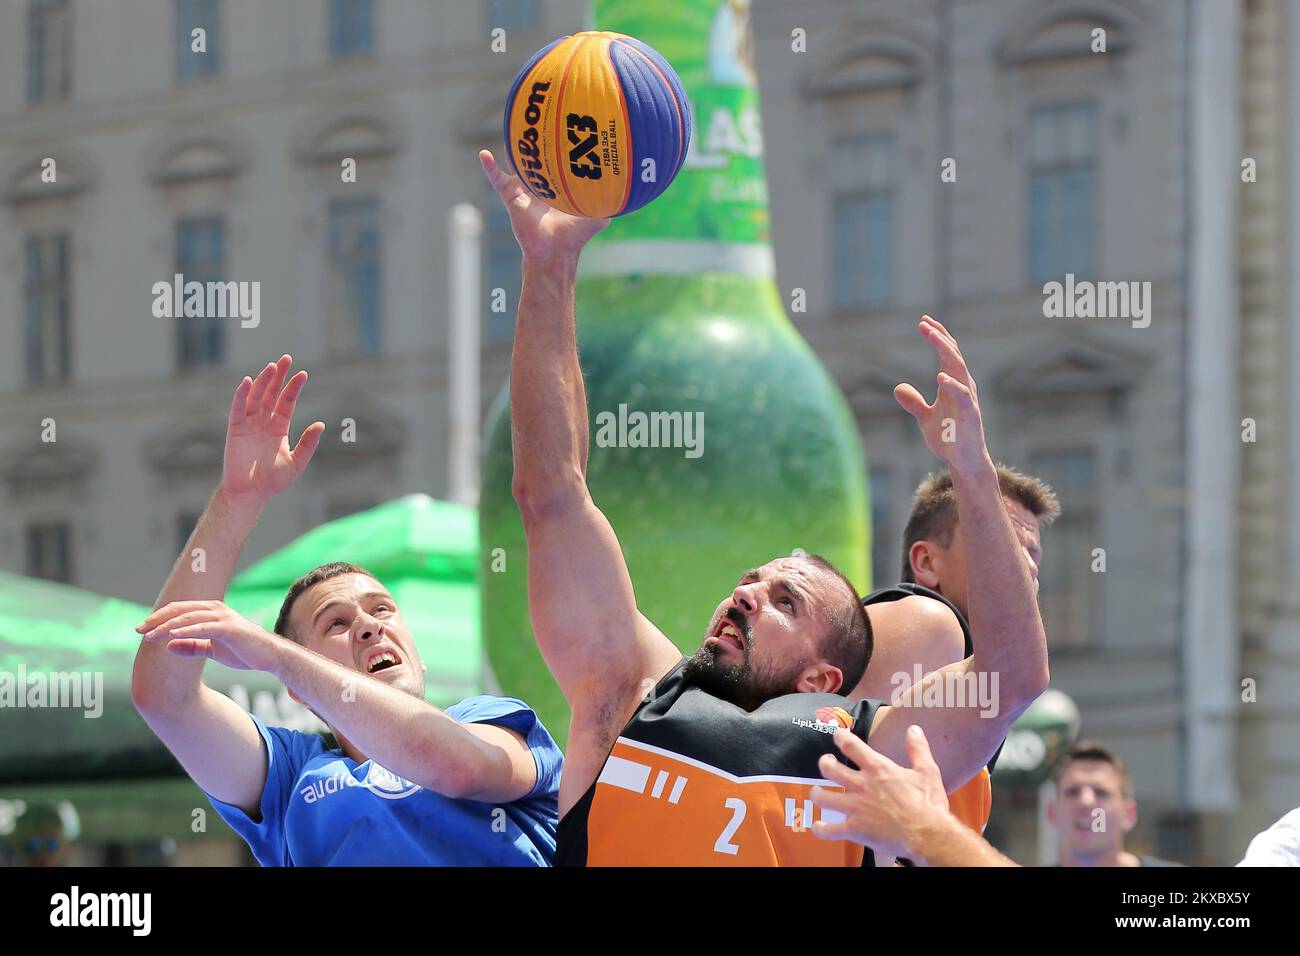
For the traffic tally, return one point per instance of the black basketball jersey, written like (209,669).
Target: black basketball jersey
(904,589)
(693,780)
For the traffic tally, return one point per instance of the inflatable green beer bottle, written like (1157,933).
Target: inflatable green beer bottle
(679,316)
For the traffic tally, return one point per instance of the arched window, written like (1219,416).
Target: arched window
(41,189)
(1062,58)
(1070,398)
(339,146)
(864,92)
(195,168)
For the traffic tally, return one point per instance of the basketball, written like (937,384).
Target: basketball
(597,124)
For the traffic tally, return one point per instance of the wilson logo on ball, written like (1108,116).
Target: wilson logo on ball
(529,155)
(586,114)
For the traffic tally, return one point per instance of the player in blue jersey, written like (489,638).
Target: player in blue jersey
(408,783)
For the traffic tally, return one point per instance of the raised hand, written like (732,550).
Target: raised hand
(212,629)
(952,425)
(542,231)
(259,462)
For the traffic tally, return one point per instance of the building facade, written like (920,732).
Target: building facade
(934,156)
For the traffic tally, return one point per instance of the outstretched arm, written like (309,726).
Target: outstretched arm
(207,732)
(596,643)
(403,734)
(983,694)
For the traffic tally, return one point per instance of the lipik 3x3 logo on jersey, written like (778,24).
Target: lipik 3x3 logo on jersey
(827,720)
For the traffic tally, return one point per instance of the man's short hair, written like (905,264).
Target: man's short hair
(848,641)
(934,508)
(1091,750)
(323,573)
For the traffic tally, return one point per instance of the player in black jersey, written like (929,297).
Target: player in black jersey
(925,615)
(716,762)
(921,624)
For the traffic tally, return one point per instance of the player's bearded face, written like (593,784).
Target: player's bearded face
(745,682)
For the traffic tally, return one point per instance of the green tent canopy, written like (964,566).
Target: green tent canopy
(66,657)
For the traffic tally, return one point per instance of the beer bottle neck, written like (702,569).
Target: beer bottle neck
(714,216)
(682,257)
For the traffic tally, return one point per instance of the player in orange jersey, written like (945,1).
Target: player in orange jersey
(713,759)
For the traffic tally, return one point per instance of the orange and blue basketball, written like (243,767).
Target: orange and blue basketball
(597,124)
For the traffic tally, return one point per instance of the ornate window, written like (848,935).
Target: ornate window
(356,270)
(352,27)
(49,551)
(1062,187)
(49,50)
(514,14)
(885,537)
(1067,585)
(48,308)
(192,15)
(1070,399)
(862,221)
(200,257)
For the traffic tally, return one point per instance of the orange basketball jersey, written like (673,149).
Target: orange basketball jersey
(972,802)
(696,781)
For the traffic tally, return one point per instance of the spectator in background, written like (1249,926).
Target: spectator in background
(903,811)
(40,837)
(1279,845)
(1094,810)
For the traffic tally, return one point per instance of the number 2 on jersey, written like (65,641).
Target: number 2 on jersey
(724,844)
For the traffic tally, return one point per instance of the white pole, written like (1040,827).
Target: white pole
(1211,642)
(466,224)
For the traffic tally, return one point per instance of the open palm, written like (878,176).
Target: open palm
(952,425)
(259,462)
(542,230)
